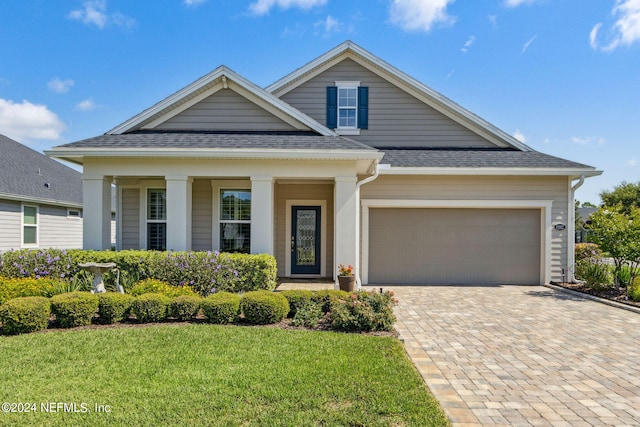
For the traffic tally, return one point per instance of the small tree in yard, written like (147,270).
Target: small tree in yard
(617,231)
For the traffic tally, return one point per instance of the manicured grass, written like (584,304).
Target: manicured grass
(196,374)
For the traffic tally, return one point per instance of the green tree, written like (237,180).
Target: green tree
(617,232)
(627,195)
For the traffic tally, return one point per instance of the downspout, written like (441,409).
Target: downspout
(571,247)
(358,240)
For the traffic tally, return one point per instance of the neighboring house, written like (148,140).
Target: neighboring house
(40,200)
(345,160)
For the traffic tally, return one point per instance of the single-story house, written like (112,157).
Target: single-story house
(346,160)
(40,200)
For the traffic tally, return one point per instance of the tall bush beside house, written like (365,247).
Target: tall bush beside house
(74,308)
(25,314)
(263,307)
(159,287)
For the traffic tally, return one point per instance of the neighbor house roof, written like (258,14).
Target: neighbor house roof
(482,160)
(27,175)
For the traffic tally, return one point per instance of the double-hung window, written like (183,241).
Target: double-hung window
(29,226)
(235,221)
(156,219)
(347,107)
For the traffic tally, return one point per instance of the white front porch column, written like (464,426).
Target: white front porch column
(96,213)
(179,213)
(262,215)
(346,211)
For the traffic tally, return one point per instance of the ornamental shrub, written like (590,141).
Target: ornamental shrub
(585,251)
(221,307)
(150,307)
(263,307)
(633,291)
(160,287)
(27,287)
(363,312)
(308,314)
(113,307)
(74,308)
(324,298)
(184,307)
(297,298)
(25,314)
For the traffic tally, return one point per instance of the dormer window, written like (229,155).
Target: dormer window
(347,107)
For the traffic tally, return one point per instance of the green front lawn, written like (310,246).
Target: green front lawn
(196,374)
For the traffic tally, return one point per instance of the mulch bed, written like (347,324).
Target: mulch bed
(613,294)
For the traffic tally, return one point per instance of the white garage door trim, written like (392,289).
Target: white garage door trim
(543,205)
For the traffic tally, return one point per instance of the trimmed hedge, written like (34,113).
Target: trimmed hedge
(221,307)
(113,307)
(184,307)
(203,271)
(74,308)
(263,307)
(25,314)
(297,298)
(155,286)
(150,307)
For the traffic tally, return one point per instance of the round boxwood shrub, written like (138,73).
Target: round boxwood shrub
(221,307)
(150,307)
(25,314)
(297,298)
(184,307)
(263,307)
(74,308)
(113,307)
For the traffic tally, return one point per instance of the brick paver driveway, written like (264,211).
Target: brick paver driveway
(523,355)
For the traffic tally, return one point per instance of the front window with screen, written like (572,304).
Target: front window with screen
(347,107)
(157,219)
(235,221)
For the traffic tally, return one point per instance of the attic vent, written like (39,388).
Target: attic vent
(47,185)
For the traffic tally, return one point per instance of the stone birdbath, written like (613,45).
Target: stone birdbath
(98,269)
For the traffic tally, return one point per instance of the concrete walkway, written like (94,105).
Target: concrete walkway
(523,355)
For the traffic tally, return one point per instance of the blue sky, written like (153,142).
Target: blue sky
(561,75)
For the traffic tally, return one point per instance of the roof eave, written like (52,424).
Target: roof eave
(572,172)
(39,200)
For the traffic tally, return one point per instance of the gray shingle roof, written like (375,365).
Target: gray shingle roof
(24,173)
(474,158)
(221,140)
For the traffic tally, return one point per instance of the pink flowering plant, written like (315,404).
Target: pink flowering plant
(345,271)
(363,311)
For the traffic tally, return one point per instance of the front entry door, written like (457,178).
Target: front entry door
(305,240)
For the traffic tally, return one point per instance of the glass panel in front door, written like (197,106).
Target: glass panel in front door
(306,237)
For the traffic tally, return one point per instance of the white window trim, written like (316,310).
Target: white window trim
(323,236)
(36,226)
(78,216)
(144,186)
(545,207)
(346,130)
(216,187)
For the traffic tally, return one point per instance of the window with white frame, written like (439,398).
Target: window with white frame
(157,219)
(235,221)
(29,225)
(347,107)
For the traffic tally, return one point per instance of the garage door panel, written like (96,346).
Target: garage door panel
(457,246)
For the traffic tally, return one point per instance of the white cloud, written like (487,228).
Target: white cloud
(588,140)
(262,7)
(58,85)
(26,121)
(632,162)
(519,136)
(94,12)
(468,44)
(194,3)
(420,15)
(626,29)
(328,26)
(528,43)
(493,19)
(85,105)
(516,3)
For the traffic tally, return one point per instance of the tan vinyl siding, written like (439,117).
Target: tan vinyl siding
(396,119)
(130,221)
(225,110)
(202,215)
(57,230)
(485,188)
(284,192)
(10,223)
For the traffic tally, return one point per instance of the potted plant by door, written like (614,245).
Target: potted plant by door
(346,279)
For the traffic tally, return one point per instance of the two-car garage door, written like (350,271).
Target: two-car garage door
(454,246)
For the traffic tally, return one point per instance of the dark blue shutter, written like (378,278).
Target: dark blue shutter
(332,107)
(363,107)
